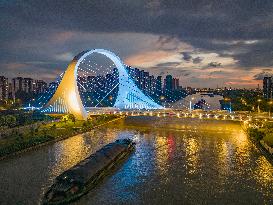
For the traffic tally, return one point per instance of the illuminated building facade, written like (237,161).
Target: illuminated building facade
(3,88)
(268,87)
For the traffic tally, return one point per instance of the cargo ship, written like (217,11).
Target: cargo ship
(78,180)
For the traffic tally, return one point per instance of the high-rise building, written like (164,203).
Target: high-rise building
(159,85)
(40,86)
(4,88)
(10,95)
(168,84)
(146,82)
(141,79)
(90,83)
(130,71)
(52,87)
(81,83)
(175,85)
(268,87)
(137,77)
(28,85)
(17,85)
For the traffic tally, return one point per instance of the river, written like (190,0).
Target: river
(177,161)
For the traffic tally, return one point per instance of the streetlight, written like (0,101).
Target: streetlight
(259,100)
(190,103)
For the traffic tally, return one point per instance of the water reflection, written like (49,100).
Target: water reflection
(263,172)
(192,149)
(224,158)
(183,161)
(68,153)
(161,151)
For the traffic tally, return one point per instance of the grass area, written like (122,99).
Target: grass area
(269,139)
(21,139)
(265,133)
(18,118)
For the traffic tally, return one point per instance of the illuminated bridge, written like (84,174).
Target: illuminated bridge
(66,98)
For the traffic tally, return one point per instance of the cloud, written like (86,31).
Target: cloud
(241,82)
(36,30)
(186,56)
(168,43)
(168,64)
(197,60)
(260,76)
(217,72)
(214,64)
(147,59)
(65,56)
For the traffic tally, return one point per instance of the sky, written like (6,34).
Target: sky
(205,43)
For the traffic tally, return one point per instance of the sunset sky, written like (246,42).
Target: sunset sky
(204,43)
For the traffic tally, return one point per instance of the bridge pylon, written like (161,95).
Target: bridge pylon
(67,99)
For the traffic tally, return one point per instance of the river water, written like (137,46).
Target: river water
(177,161)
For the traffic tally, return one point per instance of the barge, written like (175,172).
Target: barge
(85,175)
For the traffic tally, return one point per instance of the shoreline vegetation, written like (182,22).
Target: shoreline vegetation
(21,140)
(262,136)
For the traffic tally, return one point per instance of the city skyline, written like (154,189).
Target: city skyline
(204,44)
(154,86)
(136,102)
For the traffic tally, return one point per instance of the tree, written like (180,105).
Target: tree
(65,118)
(10,120)
(32,130)
(2,121)
(72,118)
(85,126)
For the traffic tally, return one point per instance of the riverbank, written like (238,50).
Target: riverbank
(262,137)
(32,138)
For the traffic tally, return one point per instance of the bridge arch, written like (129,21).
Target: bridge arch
(67,99)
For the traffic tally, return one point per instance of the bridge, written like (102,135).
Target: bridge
(67,99)
(130,100)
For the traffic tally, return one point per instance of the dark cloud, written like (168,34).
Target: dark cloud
(214,64)
(168,64)
(197,60)
(186,56)
(240,29)
(261,75)
(167,43)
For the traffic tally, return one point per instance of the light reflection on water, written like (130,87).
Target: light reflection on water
(192,155)
(177,161)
